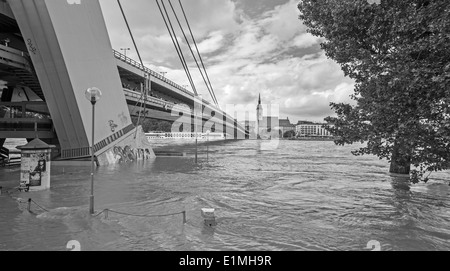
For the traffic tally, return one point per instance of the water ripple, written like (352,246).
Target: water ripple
(302,196)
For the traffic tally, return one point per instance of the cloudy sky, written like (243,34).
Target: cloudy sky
(249,47)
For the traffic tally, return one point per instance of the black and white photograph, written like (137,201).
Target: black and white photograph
(237,127)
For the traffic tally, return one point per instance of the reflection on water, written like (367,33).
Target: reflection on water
(300,196)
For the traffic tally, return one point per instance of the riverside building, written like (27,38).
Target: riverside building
(313,130)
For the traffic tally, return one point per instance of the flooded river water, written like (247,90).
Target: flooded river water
(298,196)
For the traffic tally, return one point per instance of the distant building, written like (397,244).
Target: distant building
(266,127)
(285,125)
(313,130)
(300,122)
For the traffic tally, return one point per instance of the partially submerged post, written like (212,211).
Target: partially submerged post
(29,206)
(35,166)
(207,145)
(209,216)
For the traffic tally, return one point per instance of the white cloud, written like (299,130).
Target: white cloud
(153,40)
(283,21)
(213,43)
(269,54)
(305,40)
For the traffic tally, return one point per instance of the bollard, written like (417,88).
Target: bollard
(29,205)
(184,217)
(106,214)
(209,216)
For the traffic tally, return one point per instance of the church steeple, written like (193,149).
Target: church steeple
(259,118)
(259,109)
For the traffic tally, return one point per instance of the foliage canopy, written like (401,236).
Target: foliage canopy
(398,53)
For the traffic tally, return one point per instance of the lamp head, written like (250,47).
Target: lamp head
(93,95)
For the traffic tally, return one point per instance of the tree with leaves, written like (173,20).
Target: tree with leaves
(152,125)
(398,53)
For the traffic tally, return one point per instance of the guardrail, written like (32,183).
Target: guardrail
(15,57)
(6,160)
(138,65)
(138,96)
(26,128)
(4,152)
(19,109)
(186,135)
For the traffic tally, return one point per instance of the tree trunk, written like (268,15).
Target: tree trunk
(401,162)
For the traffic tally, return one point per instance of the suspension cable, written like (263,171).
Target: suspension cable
(192,52)
(195,43)
(176,44)
(131,33)
(177,48)
(143,105)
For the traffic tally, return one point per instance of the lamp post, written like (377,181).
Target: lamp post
(198,121)
(125,51)
(207,145)
(93,95)
(196,145)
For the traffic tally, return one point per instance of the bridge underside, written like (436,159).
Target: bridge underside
(69,51)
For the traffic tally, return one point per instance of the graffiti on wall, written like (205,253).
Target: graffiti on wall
(113,126)
(127,154)
(31,46)
(123,118)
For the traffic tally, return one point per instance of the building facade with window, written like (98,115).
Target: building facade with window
(285,125)
(313,130)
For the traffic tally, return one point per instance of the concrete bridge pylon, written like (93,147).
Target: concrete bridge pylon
(69,46)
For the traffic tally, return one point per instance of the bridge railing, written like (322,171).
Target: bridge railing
(4,152)
(20,109)
(138,96)
(138,65)
(14,57)
(26,128)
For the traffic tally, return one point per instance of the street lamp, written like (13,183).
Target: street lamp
(125,51)
(93,95)
(207,145)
